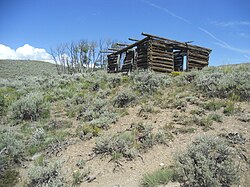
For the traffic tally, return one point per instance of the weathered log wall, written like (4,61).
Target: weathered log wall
(159,54)
(113,61)
(197,59)
(128,61)
(142,58)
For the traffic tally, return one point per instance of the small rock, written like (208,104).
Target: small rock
(162,164)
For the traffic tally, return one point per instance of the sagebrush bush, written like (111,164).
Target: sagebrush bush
(124,98)
(2,104)
(114,81)
(38,136)
(46,176)
(98,113)
(208,162)
(148,82)
(12,143)
(224,82)
(30,107)
(11,154)
(128,143)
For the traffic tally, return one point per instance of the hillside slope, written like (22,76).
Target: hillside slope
(15,68)
(97,129)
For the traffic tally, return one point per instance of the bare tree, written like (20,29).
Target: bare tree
(77,57)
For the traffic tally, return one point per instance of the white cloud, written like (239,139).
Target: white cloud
(26,52)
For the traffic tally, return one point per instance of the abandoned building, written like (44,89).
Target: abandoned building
(158,54)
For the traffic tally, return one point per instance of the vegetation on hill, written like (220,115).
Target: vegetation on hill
(19,68)
(45,113)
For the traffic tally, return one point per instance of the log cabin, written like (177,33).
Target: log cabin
(158,54)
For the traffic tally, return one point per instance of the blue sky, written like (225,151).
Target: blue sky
(29,28)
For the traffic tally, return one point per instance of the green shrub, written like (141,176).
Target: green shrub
(162,137)
(7,96)
(198,111)
(88,129)
(12,143)
(224,82)
(128,143)
(55,124)
(46,176)
(215,117)
(114,81)
(2,104)
(8,178)
(231,108)
(205,122)
(11,154)
(123,98)
(30,107)
(122,144)
(208,162)
(182,119)
(213,105)
(157,178)
(148,82)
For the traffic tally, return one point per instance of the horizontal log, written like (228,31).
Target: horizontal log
(163,61)
(122,44)
(157,45)
(160,50)
(166,54)
(161,65)
(178,63)
(161,58)
(106,51)
(112,65)
(129,57)
(178,59)
(197,61)
(133,39)
(112,59)
(131,46)
(142,58)
(142,62)
(113,49)
(142,50)
(198,52)
(198,56)
(126,66)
